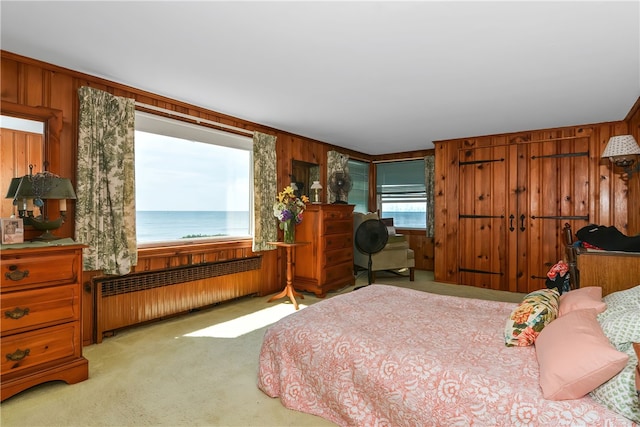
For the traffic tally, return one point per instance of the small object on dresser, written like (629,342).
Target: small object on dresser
(316,189)
(12,230)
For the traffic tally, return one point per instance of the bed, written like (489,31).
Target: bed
(391,356)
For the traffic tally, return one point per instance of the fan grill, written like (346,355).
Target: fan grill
(371,237)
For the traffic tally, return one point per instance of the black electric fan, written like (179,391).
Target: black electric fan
(371,237)
(340,185)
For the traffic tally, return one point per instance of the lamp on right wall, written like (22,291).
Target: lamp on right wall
(622,151)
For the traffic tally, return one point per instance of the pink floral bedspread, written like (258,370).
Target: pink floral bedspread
(389,356)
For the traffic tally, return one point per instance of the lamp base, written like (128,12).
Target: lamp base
(46,236)
(630,170)
(46,226)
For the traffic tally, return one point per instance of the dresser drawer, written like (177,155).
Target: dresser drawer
(338,256)
(25,310)
(54,268)
(338,227)
(32,349)
(338,241)
(337,214)
(339,273)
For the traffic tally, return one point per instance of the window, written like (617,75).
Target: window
(401,193)
(359,194)
(192,182)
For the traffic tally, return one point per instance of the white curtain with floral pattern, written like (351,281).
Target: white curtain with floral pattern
(336,162)
(105,205)
(429,177)
(265,190)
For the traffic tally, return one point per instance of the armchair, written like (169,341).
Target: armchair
(395,257)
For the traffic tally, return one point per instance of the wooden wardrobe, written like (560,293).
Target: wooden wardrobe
(502,201)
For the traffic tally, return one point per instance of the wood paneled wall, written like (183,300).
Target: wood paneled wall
(31,82)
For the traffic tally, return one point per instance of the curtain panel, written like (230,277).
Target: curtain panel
(105,205)
(429,180)
(336,162)
(265,190)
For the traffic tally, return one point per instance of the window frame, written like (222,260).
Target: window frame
(198,133)
(367,165)
(420,190)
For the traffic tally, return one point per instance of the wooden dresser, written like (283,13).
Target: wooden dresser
(40,296)
(612,271)
(327,263)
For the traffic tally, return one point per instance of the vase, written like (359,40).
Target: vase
(289,228)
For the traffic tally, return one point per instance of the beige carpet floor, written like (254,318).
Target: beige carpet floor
(198,369)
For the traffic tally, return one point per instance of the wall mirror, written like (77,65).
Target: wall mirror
(34,139)
(303,174)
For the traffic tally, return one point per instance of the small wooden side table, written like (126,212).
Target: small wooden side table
(288,290)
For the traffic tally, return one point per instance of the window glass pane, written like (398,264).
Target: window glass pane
(359,194)
(401,193)
(187,189)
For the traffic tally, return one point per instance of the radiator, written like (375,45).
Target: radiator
(122,301)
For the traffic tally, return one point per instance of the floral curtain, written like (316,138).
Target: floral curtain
(336,162)
(264,191)
(105,207)
(429,177)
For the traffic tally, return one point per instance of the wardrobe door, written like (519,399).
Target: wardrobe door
(555,179)
(486,229)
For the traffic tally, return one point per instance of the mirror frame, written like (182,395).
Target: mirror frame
(306,179)
(52,120)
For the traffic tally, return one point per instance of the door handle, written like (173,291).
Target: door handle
(511,218)
(522,218)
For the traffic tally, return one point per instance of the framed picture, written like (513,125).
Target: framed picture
(12,230)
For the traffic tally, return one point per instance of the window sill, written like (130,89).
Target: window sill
(192,246)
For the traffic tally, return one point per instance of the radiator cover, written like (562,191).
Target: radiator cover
(136,298)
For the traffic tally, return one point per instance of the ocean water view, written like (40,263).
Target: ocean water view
(159,226)
(407,219)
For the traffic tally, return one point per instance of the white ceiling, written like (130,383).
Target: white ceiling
(376,77)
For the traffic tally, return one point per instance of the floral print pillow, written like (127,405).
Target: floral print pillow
(536,311)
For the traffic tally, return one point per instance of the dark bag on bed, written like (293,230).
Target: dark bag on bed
(608,238)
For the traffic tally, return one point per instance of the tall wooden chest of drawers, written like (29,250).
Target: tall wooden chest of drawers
(40,296)
(327,263)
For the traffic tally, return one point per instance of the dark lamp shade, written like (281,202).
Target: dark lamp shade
(41,187)
(13,187)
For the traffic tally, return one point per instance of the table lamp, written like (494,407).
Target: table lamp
(32,190)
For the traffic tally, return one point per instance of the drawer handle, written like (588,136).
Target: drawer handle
(16,313)
(18,355)
(16,274)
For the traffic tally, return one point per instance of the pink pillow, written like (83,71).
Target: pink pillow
(575,356)
(578,299)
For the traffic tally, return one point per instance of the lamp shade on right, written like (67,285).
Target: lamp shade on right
(621,145)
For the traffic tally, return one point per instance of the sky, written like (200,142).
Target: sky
(178,175)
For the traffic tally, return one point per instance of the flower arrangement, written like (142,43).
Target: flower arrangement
(288,209)
(289,206)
